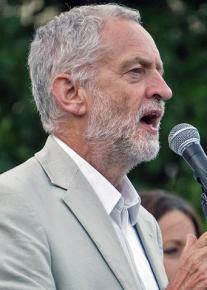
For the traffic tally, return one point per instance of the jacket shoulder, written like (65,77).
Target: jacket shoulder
(21,175)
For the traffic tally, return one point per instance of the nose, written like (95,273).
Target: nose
(158,88)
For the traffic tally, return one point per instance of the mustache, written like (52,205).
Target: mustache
(155,106)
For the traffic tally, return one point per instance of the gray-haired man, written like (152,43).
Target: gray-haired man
(70,218)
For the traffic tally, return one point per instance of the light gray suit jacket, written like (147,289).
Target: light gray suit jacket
(55,233)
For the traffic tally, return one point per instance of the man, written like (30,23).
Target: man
(70,218)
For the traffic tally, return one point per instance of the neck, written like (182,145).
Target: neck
(99,155)
(101,158)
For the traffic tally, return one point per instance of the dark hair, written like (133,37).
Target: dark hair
(159,202)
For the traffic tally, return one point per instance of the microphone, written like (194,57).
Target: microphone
(184,140)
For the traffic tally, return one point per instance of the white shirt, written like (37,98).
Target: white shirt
(122,206)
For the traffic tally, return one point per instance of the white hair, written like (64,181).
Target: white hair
(70,43)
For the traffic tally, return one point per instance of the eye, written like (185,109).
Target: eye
(136,70)
(172,252)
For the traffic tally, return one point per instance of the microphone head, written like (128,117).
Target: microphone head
(181,136)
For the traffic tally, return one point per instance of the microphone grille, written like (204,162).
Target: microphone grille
(181,136)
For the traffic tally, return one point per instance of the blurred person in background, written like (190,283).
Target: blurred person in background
(176,218)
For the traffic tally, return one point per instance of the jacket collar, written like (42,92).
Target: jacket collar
(81,199)
(146,231)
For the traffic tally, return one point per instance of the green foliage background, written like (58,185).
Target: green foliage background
(180,31)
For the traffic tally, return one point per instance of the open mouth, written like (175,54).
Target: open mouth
(151,119)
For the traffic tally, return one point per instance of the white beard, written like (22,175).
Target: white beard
(119,134)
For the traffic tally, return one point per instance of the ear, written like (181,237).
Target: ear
(69,97)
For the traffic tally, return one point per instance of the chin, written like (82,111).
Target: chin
(150,152)
(151,155)
(143,152)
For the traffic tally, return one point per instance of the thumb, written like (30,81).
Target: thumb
(190,241)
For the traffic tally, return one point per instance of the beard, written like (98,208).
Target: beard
(118,135)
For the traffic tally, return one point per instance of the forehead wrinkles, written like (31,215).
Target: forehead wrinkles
(115,34)
(122,38)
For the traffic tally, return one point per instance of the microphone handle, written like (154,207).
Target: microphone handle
(196,158)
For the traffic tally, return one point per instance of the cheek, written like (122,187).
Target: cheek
(128,97)
(171,266)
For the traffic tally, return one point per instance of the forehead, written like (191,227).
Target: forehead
(126,39)
(175,224)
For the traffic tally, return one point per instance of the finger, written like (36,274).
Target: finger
(190,241)
(202,241)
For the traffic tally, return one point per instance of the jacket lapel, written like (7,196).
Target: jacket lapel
(83,202)
(145,230)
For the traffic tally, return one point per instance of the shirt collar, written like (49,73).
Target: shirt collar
(125,196)
(131,199)
(105,191)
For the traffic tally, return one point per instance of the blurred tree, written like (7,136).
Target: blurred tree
(180,31)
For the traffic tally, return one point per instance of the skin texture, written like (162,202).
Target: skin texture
(175,226)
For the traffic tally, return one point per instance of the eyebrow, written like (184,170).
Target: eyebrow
(176,241)
(143,61)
